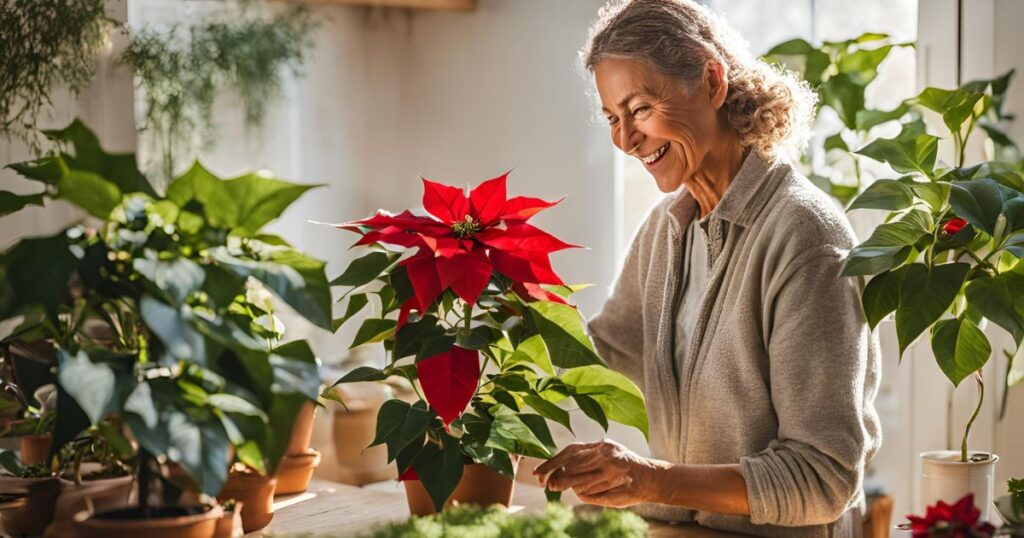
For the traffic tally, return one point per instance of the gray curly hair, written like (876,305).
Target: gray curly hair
(771,109)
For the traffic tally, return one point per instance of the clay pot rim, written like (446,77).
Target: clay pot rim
(16,504)
(96,481)
(310,454)
(85,518)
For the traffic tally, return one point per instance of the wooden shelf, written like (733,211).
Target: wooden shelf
(440,5)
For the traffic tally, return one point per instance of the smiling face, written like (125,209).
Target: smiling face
(653,117)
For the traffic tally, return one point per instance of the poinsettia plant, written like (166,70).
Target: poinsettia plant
(960,520)
(949,254)
(469,309)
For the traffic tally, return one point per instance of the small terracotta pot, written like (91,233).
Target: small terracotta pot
(256,494)
(302,430)
(479,485)
(35,448)
(295,472)
(102,525)
(353,430)
(230,524)
(31,508)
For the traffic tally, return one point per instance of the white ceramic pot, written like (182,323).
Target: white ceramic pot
(945,478)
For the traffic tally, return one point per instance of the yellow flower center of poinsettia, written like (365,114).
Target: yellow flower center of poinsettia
(465,227)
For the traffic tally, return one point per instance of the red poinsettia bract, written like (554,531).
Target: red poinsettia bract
(465,239)
(960,520)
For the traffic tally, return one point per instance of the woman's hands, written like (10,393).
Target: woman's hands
(603,473)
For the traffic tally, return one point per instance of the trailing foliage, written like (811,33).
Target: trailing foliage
(181,71)
(36,58)
(160,319)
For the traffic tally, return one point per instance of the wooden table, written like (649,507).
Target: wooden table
(340,510)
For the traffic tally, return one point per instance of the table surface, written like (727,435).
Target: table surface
(334,509)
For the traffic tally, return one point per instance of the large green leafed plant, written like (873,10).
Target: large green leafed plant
(948,256)
(159,317)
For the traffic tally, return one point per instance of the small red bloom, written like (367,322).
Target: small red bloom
(958,521)
(466,238)
(954,225)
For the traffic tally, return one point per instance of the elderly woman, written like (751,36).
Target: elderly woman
(730,312)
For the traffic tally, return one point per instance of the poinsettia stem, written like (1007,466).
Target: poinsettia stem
(468,315)
(967,431)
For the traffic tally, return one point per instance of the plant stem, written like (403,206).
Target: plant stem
(467,315)
(967,431)
(145,474)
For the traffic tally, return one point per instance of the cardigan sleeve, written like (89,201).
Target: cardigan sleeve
(822,369)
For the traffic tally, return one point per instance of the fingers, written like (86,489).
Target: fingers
(602,485)
(618,497)
(562,479)
(567,455)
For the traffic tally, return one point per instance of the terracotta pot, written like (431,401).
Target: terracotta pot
(479,485)
(255,492)
(302,430)
(35,448)
(168,523)
(353,430)
(230,524)
(94,495)
(295,472)
(30,507)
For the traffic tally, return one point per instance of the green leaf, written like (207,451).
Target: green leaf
(533,351)
(998,299)
(47,170)
(954,105)
(591,409)
(35,272)
(245,203)
(440,469)
(862,64)
(496,460)
(812,62)
(399,424)
(120,169)
(912,151)
(561,328)
(924,296)
(960,348)
(362,373)
(868,118)
(888,244)
(93,385)
(176,279)
(374,330)
(423,339)
(619,397)
(845,95)
(836,142)
(10,462)
(200,447)
(174,327)
(356,303)
(284,407)
(89,191)
(888,194)
(10,202)
(366,269)
(511,434)
(881,295)
(547,409)
(230,403)
(298,279)
(295,369)
(978,201)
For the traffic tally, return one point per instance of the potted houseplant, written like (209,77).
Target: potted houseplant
(34,428)
(185,365)
(1011,507)
(947,258)
(470,310)
(28,494)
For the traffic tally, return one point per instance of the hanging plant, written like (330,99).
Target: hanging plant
(181,71)
(37,57)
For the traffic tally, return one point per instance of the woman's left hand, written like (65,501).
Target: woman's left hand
(603,473)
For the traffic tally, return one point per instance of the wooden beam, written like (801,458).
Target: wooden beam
(445,5)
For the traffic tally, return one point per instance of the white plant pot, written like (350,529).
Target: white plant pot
(945,478)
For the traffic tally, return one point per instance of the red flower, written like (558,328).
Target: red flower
(465,239)
(958,521)
(954,225)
